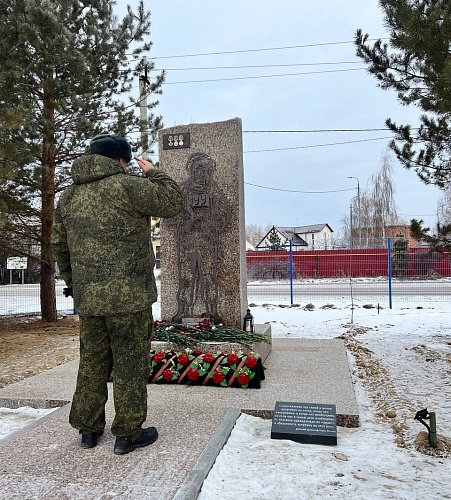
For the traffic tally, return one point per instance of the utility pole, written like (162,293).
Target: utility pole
(350,220)
(143,83)
(358,208)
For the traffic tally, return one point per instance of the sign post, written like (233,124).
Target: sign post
(16,263)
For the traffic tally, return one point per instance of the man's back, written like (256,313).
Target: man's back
(105,218)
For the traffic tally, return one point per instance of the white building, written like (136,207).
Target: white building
(313,237)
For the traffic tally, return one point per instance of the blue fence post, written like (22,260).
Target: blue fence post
(389,272)
(291,271)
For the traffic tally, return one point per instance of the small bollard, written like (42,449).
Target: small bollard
(432,428)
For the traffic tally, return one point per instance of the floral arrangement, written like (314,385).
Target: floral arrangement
(195,367)
(205,331)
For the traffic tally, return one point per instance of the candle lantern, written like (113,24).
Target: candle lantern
(248,322)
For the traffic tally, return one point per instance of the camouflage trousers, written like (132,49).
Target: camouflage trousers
(120,342)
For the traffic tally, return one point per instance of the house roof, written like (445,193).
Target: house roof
(292,233)
(313,228)
(287,232)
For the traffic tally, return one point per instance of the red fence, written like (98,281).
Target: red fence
(342,263)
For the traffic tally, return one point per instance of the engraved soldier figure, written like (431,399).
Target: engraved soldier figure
(198,229)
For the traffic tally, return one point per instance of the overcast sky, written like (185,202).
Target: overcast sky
(331,96)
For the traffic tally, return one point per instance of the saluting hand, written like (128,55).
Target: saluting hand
(145,165)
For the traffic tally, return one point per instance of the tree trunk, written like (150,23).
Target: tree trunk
(48,299)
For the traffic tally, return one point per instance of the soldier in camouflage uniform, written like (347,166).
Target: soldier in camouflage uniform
(101,239)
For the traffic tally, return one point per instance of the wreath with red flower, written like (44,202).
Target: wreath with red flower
(213,369)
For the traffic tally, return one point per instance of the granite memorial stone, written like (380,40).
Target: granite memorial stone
(203,252)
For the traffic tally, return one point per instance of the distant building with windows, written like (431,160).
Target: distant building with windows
(403,231)
(313,237)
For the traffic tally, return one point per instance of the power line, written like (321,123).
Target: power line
(317,145)
(313,131)
(265,76)
(260,50)
(256,66)
(295,191)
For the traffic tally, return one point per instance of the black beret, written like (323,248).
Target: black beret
(112,146)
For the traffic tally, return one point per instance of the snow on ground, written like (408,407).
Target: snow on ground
(12,420)
(400,361)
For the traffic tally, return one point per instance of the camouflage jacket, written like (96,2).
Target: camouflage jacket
(101,235)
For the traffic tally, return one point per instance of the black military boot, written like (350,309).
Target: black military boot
(126,445)
(89,439)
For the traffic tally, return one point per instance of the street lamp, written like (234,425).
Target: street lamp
(358,207)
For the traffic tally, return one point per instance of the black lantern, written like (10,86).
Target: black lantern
(248,322)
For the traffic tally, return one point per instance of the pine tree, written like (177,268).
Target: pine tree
(65,65)
(416,63)
(400,256)
(275,243)
(439,242)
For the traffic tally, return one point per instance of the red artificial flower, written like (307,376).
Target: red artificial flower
(193,375)
(251,362)
(218,377)
(243,379)
(184,328)
(167,375)
(203,315)
(183,359)
(208,357)
(232,358)
(159,356)
(196,352)
(155,324)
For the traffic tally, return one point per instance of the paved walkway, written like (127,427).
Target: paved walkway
(45,461)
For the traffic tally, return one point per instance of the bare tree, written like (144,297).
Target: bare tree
(255,233)
(383,199)
(377,209)
(444,207)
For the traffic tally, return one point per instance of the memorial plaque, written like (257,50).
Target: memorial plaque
(176,141)
(192,321)
(311,423)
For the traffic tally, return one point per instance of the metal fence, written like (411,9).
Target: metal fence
(22,299)
(384,276)
(351,290)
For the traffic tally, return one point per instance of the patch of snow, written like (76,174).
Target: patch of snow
(14,419)
(400,363)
